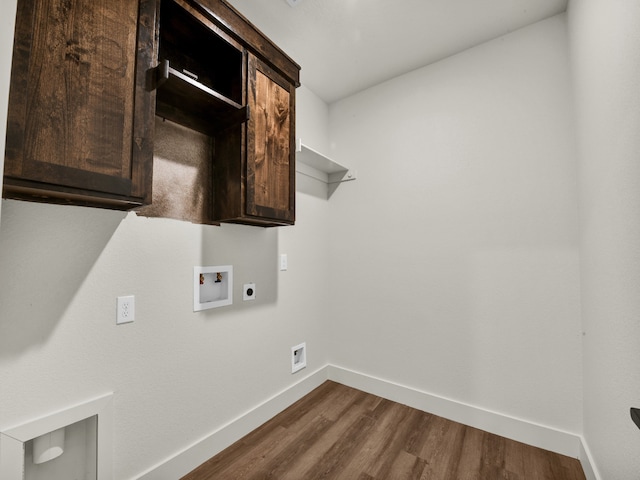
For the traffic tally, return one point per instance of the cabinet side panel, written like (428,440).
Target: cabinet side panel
(181,176)
(228,175)
(271,144)
(145,102)
(79,85)
(16,111)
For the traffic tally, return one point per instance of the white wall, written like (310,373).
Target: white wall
(312,120)
(177,376)
(605,41)
(450,265)
(455,252)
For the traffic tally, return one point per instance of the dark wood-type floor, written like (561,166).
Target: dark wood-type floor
(337,432)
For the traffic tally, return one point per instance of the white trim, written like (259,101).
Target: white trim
(548,438)
(541,436)
(588,465)
(11,458)
(196,454)
(12,440)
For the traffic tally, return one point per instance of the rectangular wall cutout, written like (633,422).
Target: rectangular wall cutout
(212,287)
(298,357)
(72,443)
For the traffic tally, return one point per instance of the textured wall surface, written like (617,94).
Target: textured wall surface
(455,252)
(458,263)
(605,41)
(177,376)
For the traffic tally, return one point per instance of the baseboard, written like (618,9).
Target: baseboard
(196,454)
(588,465)
(520,430)
(541,436)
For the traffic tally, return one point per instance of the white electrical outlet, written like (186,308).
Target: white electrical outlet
(126,309)
(284,263)
(298,357)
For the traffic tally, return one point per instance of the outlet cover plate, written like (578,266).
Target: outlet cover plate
(126,312)
(284,262)
(249,291)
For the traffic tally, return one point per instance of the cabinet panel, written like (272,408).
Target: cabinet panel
(271,147)
(254,163)
(80,118)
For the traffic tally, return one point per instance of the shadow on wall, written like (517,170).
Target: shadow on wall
(46,252)
(253,252)
(182,191)
(315,188)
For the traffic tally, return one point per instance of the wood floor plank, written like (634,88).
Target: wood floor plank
(331,462)
(328,400)
(514,458)
(469,466)
(405,467)
(394,436)
(393,424)
(276,464)
(338,401)
(340,433)
(420,433)
(317,458)
(493,455)
(364,476)
(442,449)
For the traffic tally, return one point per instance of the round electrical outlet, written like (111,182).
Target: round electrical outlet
(249,291)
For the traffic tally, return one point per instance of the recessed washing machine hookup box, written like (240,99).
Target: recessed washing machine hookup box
(212,287)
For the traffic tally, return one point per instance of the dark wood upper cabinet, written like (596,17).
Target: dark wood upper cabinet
(221,76)
(80,118)
(89,76)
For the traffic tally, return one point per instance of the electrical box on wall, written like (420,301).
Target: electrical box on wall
(298,357)
(212,287)
(249,291)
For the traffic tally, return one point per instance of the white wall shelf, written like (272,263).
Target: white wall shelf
(316,165)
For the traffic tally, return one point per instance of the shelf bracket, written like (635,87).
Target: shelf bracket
(341,177)
(158,75)
(332,171)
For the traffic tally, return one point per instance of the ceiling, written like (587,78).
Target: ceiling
(345,46)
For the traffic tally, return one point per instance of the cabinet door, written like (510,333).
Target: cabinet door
(80,120)
(270,187)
